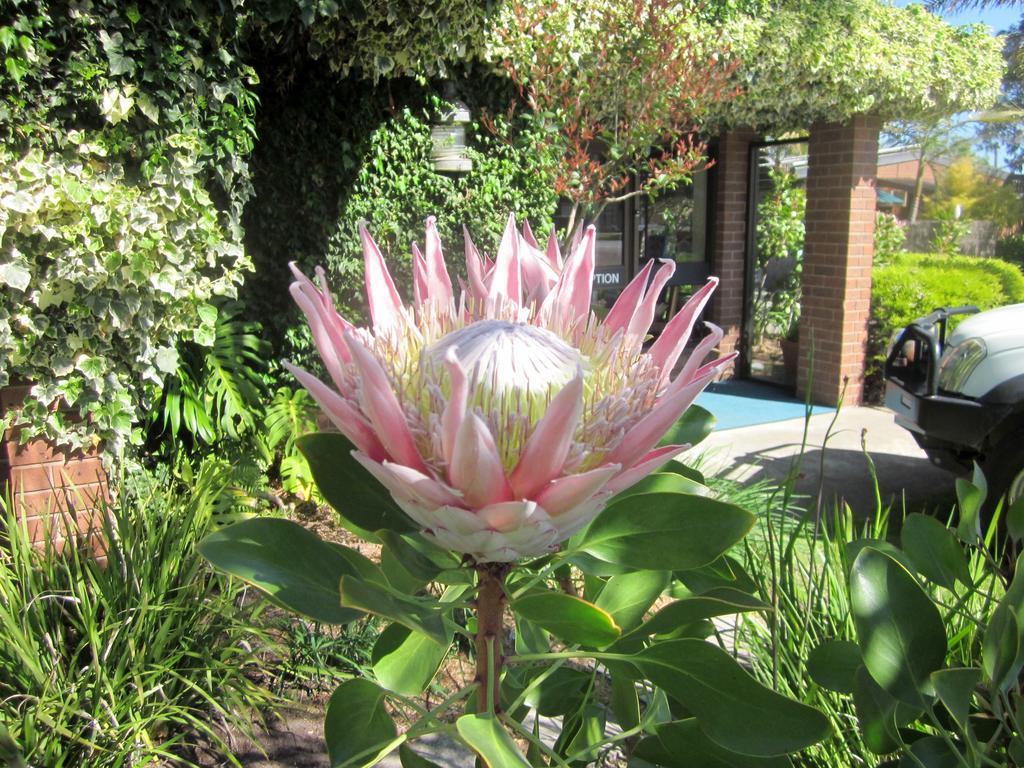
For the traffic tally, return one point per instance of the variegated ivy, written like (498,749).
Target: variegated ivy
(100,279)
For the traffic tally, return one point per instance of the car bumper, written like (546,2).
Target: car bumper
(942,419)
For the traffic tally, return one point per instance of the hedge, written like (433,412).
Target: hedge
(914,284)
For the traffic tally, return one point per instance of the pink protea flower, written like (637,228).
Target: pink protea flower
(502,420)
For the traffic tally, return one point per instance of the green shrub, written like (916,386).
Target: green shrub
(889,238)
(914,284)
(125,663)
(949,234)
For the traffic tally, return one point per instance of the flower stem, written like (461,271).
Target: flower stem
(490,630)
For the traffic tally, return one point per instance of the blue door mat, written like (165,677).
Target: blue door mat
(746,403)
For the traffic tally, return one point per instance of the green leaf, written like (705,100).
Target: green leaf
(934,551)
(686,746)
(628,597)
(955,687)
(834,664)
(410,759)
(486,736)
(559,693)
(666,531)
(296,568)
(417,615)
(1001,646)
(899,629)
(1015,519)
(624,698)
(726,571)
(732,708)
(719,601)
(582,734)
(931,752)
(530,638)
(348,487)
(876,714)
(420,558)
(405,661)
(568,618)
(970,496)
(695,425)
(665,482)
(357,727)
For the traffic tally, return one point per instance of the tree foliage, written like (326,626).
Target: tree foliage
(807,61)
(619,87)
(965,184)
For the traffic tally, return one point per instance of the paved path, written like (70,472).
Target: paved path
(767,451)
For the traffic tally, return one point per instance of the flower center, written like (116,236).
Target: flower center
(504,357)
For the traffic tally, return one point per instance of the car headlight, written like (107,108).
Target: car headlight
(959,362)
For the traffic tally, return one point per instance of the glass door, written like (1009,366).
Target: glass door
(775,250)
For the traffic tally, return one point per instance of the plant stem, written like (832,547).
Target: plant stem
(490,629)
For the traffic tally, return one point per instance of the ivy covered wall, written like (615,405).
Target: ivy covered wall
(334,152)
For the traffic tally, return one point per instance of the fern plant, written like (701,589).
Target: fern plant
(291,414)
(218,392)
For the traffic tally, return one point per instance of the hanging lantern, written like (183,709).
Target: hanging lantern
(449,154)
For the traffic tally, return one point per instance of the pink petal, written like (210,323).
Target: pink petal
(697,356)
(476,468)
(474,269)
(554,253)
(652,427)
(506,281)
(346,418)
(528,235)
(508,515)
(669,345)
(582,275)
(565,493)
(438,281)
(381,405)
(570,299)
(419,277)
(641,321)
(648,464)
(409,484)
(455,409)
(327,330)
(545,452)
(622,311)
(385,303)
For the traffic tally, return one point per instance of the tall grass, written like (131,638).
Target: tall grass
(128,661)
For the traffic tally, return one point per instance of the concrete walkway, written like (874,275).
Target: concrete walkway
(766,451)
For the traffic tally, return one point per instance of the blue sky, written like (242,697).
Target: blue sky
(998,18)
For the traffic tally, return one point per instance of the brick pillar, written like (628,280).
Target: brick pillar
(52,489)
(838,249)
(728,256)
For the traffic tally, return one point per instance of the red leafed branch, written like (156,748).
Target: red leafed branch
(622,87)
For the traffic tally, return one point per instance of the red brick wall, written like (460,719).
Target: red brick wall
(50,488)
(728,257)
(838,250)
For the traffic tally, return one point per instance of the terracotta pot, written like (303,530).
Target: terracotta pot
(55,491)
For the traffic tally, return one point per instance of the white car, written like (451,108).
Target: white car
(962,397)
